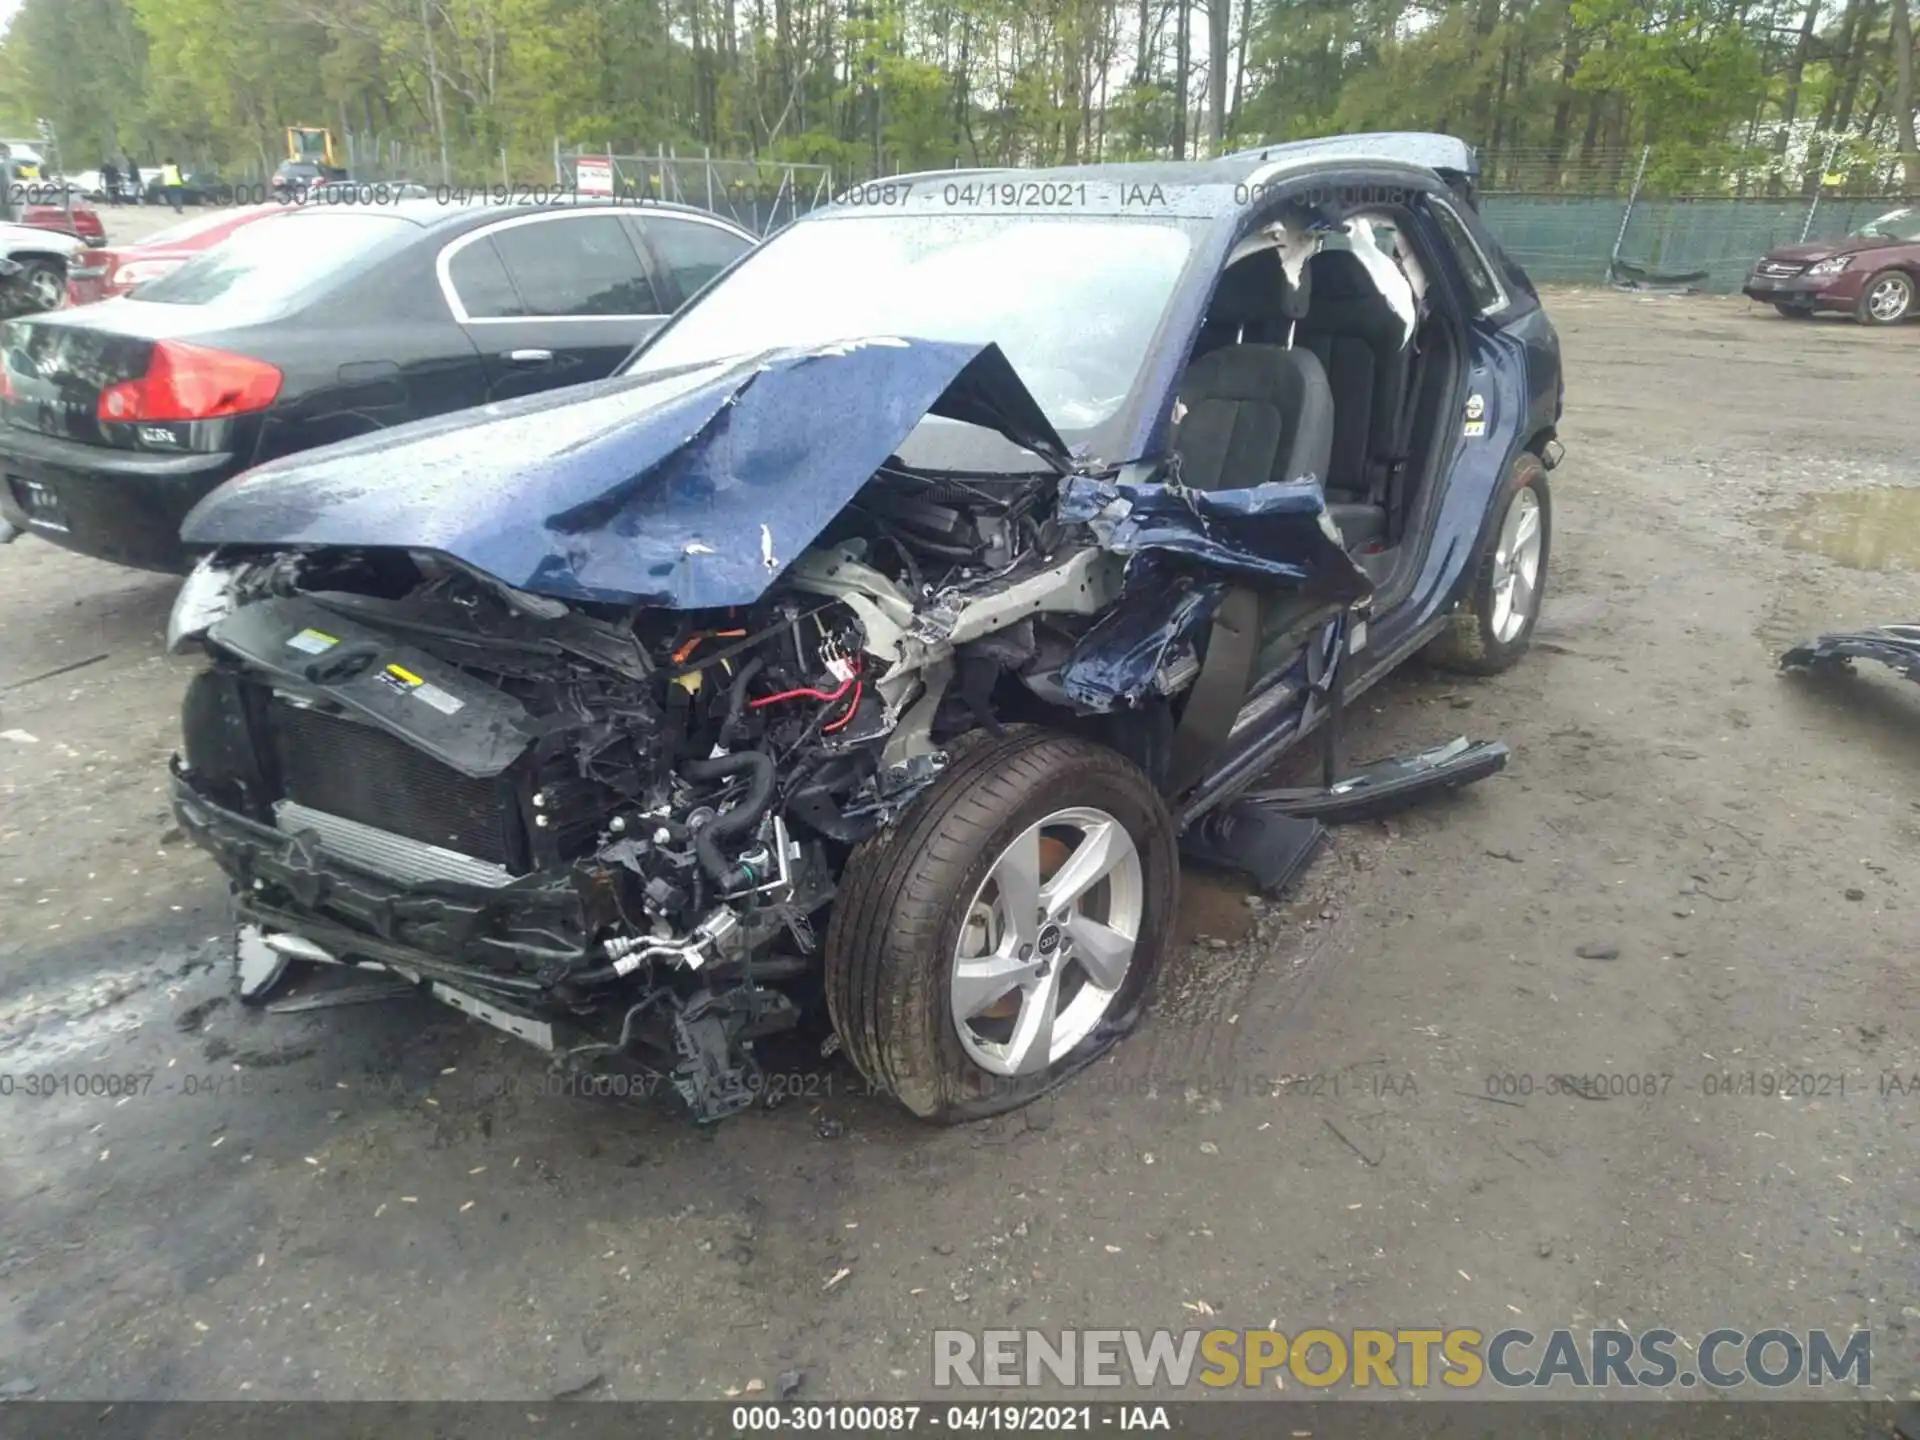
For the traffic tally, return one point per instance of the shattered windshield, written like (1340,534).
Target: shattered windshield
(1074,302)
(1902,224)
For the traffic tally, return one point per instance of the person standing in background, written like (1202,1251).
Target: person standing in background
(172,182)
(134,184)
(110,181)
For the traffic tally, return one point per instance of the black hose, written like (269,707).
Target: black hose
(761,775)
(737,699)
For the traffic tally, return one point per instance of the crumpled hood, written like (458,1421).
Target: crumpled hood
(688,489)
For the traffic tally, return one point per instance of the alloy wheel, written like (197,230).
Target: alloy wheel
(1516,567)
(46,289)
(1048,941)
(1889,300)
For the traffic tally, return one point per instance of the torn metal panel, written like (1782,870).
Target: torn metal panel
(1145,645)
(684,490)
(1271,536)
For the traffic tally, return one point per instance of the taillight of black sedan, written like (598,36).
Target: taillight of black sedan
(186,383)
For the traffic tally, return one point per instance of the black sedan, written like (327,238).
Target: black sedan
(326,323)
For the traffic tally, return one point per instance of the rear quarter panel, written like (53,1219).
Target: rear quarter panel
(377,351)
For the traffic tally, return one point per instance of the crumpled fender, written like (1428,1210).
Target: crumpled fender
(1186,548)
(1275,535)
(688,489)
(1120,656)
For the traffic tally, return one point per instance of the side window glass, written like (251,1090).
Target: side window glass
(480,280)
(695,253)
(1481,284)
(577,265)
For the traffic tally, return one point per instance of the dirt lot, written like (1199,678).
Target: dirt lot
(379,1202)
(131,224)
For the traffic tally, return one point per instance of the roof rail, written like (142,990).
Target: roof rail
(932,174)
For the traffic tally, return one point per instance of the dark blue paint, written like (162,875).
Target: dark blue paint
(657,490)
(1116,660)
(1275,534)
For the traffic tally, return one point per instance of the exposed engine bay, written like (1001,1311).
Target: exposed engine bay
(626,821)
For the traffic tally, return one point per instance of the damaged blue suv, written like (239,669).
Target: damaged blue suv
(865,654)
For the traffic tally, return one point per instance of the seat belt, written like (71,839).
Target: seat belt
(1219,690)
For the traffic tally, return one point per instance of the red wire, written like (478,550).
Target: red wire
(804,692)
(852,710)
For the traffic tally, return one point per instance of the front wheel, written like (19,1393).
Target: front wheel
(1007,931)
(44,285)
(1494,624)
(1886,298)
(1794,312)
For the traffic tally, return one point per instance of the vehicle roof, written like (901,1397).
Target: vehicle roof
(1189,188)
(460,212)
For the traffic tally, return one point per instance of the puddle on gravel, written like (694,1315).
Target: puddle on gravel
(1877,529)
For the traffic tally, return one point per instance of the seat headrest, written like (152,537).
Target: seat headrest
(1255,288)
(1339,275)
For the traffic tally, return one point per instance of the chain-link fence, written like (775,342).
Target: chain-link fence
(1678,216)
(760,196)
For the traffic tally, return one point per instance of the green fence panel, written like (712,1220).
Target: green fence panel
(1558,239)
(1568,239)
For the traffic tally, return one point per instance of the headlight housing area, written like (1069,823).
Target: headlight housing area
(1832,265)
(204,600)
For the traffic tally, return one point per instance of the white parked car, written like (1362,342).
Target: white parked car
(40,280)
(87,185)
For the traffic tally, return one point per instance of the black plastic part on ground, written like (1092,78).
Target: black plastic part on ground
(1257,841)
(1388,785)
(1895,646)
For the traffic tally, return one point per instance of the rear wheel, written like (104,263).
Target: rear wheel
(1007,931)
(1886,298)
(1494,624)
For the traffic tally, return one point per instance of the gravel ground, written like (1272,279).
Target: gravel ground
(131,224)
(381,1201)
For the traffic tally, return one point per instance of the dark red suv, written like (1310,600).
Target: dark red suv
(1873,272)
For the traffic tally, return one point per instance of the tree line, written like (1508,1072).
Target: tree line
(1561,93)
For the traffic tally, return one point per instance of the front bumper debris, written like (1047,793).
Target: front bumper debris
(438,929)
(294,901)
(1895,646)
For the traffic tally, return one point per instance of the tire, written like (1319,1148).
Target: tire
(1794,312)
(1480,638)
(910,898)
(44,285)
(1886,298)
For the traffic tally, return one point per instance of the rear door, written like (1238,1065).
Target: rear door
(551,299)
(689,251)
